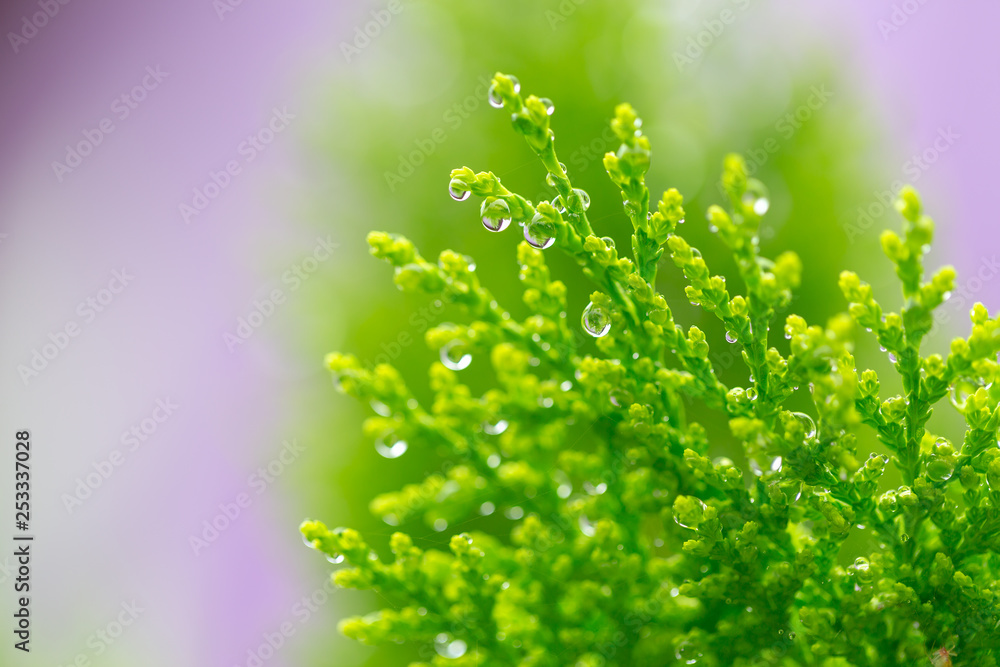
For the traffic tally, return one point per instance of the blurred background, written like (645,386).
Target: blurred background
(185,189)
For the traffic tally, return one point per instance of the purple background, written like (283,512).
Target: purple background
(162,336)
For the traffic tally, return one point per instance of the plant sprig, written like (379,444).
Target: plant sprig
(626,539)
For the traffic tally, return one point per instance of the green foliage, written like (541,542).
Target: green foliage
(600,529)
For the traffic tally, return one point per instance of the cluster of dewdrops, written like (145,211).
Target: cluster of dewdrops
(538,232)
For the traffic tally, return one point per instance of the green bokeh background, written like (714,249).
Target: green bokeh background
(420,83)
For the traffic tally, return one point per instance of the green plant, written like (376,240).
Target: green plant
(623,542)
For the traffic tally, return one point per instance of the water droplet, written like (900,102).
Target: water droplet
(539,233)
(619,397)
(756,197)
(579,200)
(380,408)
(960,393)
(493,460)
(892,358)
(495,428)
(808,425)
(862,570)
(454,356)
(336,559)
(587,526)
(309,543)
(514,80)
(677,519)
(609,242)
(564,491)
(496,101)
(772,465)
(458,190)
(940,470)
(390,446)
(440,525)
(550,180)
(793,490)
(687,653)
(596,320)
(549,106)
(731,337)
(448,648)
(496,214)
(487,508)
(513,513)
